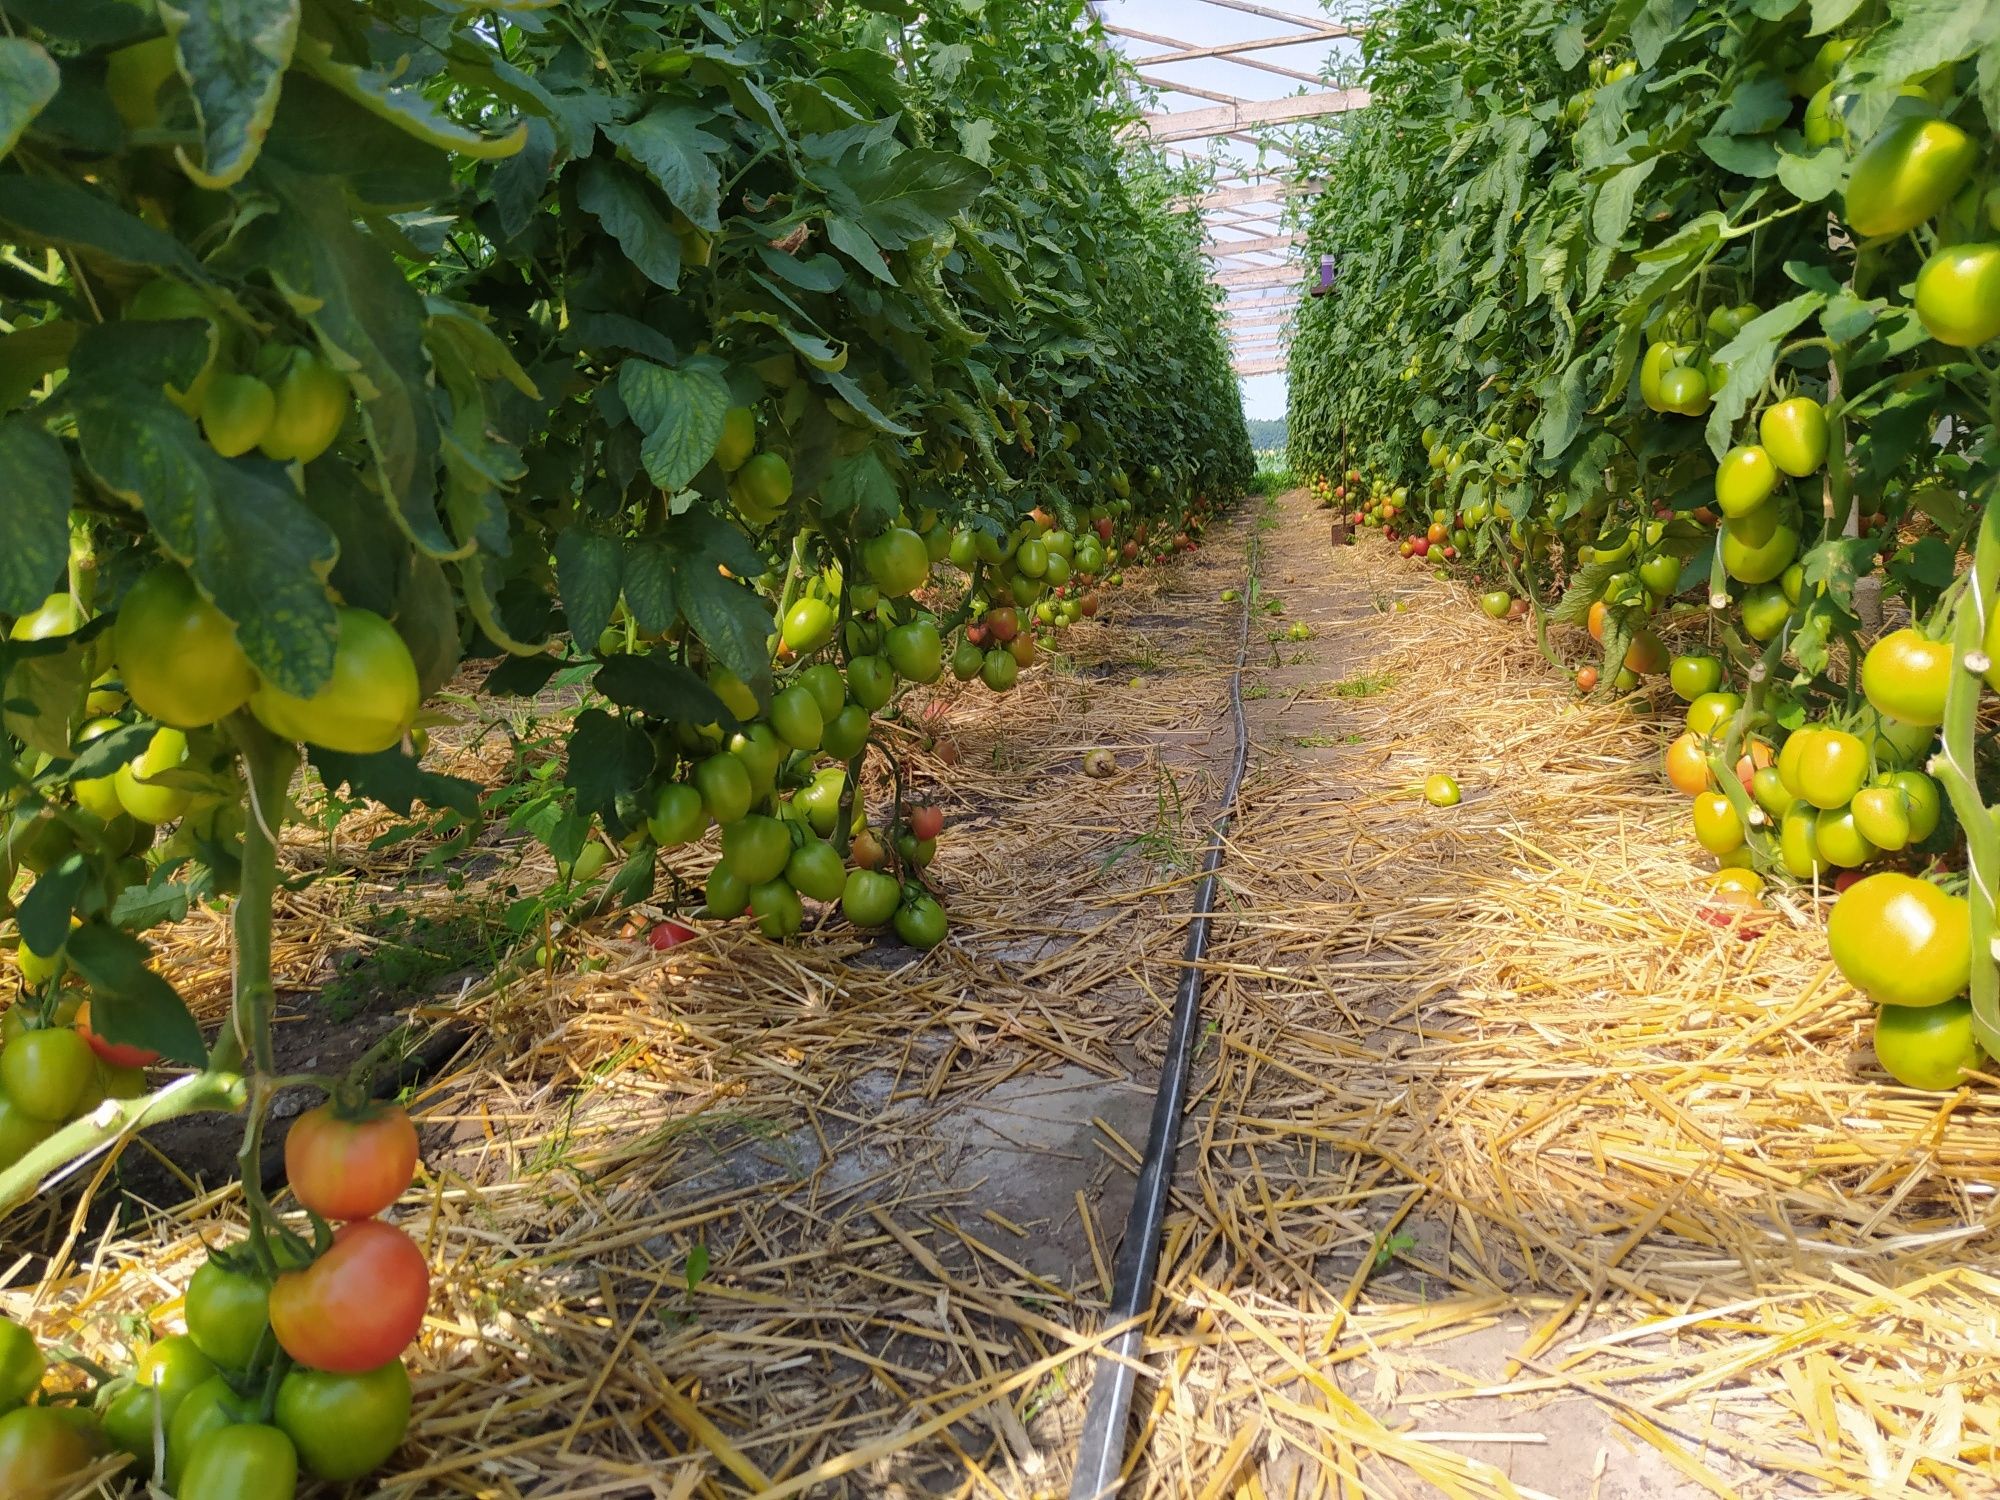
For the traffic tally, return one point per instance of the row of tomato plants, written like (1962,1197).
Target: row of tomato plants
(743,365)
(1690,328)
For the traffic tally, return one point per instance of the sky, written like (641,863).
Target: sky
(1200,24)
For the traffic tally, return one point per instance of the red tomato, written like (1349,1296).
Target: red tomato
(359,1305)
(670,934)
(114,1054)
(925,822)
(1003,625)
(351,1166)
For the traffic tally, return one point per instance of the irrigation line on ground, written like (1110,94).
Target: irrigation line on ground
(1101,1450)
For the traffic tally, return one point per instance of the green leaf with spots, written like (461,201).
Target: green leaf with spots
(34,520)
(29,79)
(252,544)
(234,54)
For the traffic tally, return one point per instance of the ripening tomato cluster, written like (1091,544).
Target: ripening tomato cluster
(291,1365)
(777,785)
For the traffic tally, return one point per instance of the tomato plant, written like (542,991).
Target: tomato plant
(1702,383)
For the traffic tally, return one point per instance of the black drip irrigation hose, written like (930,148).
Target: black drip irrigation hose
(1100,1455)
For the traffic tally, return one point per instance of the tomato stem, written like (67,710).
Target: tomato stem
(268,764)
(1953,764)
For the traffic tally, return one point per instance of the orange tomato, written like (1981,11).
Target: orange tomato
(1597,612)
(1754,758)
(1687,764)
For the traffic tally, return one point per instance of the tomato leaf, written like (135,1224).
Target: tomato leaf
(589,572)
(607,757)
(252,544)
(372,322)
(620,202)
(732,620)
(395,780)
(161,898)
(661,688)
(669,143)
(820,273)
(649,585)
(318,133)
(681,413)
(234,54)
(29,355)
(521,676)
(56,211)
(93,23)
(34,521)
(860,493)
(1749,357)
(106,753)
(407,108)
(129,1003)
(29,79)
(43,918)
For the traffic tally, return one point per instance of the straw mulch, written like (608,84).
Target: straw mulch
(1502,1161)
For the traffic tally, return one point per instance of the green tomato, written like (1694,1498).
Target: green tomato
(1693,676)
(916,651)
(1683,389)
(211,1407)
(1906,174)
(809,625)
(228,1313)
(1839,839)
(724,784)
(1744,480)
(870,898)
(819,800)
(871,682)
(1709,714)
(762,753)
(733,450)
(1771,793)
(777,907)
(1717,828)
(999,670)
(827,686)
(963,551)
(21,1364)
(344,1426)
(678,816)
(19,1132)
(1765,611)
(727,894)
(1928,1046)
(762,488)
(1882,816)
(1958,295)
(847,731)
(46,1072)
(42,1447)
(1661,574)
(1794,434)
(966,660)
(1831,769)
(921,922)
(736,694)
(236,412)
(1905,675)
(1923,800)
(1902,941)
(312,402)
(1798,848)
(755,848)
(897,561)
(1759,547)
(245,1461)
(177,654)
(816,870)
(1031,559)
(367,702)
(795,715)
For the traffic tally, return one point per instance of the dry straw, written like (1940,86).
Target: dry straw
(1502,1161)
